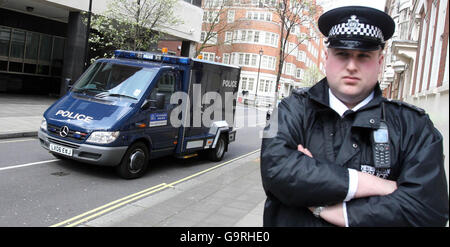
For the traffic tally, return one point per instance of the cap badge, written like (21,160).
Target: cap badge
(353,23)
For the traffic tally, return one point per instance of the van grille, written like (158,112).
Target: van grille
(71,136)
(63,143)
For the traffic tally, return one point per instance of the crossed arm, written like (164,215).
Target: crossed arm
(368,185)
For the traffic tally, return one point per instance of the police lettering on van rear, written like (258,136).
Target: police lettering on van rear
(72,115)
(126,112)
(229,83)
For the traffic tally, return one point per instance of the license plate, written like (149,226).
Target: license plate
(60,149)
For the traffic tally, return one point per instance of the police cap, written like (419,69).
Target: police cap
(356,28)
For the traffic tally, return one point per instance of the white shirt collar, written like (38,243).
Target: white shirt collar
(340,108)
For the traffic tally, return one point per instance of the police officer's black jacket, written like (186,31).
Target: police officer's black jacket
(293,181)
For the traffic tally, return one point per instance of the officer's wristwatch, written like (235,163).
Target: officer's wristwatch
(317,211)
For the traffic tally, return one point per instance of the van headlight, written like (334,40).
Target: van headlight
(44,124)
(103,137)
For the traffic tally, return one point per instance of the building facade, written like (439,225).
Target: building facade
(43,42)
(416,61)
(248,34)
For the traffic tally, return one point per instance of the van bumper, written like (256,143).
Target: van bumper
(92,154)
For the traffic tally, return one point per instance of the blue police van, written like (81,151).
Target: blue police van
(138,106)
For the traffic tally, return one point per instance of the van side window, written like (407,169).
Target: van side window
(166,86)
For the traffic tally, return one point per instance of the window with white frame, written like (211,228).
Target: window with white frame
(210,16)
(244,83)
(246,59)
(228,38)
(230,16)
(226,58)
(289,68)
(301,56)
(268,62)
(260,16)
(266,86)
(247,83)
(210,56)
(299,73)
(255,37)
(212,40)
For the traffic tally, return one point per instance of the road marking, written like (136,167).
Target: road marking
(28,164)
(23,140)
(94,213)
(105,206)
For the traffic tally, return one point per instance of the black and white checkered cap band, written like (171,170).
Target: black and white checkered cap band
(361,30)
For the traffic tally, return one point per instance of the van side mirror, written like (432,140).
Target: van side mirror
(155,104)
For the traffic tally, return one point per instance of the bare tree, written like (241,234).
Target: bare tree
(214,27)
(291,14)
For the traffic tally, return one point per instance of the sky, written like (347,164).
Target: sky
(331,4)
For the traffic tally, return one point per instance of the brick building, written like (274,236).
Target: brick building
(416,61)
(248,34)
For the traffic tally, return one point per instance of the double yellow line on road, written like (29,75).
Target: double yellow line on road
(94,213)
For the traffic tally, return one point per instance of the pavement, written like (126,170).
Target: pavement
(230,195)
(21,115)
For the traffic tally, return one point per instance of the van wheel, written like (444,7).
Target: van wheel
(216,154)
(134,162)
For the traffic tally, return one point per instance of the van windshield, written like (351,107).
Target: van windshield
(115,80)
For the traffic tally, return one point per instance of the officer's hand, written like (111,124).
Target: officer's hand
(304,150)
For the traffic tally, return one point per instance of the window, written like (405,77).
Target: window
(166,85)
(301,56)
(212,39)
(32,46)
(45,48)
(247,83)
(250,83)
(256,37)
(58,56)
(299,73)
(265,86)
(244,83)
(5,36)
(17,44)
(210,56)
(259,16)
(289,68)
(253,62)
(268,62)
(197,3)
(30,52)
(230,16)
(246,59)
(211,16)
(226,58)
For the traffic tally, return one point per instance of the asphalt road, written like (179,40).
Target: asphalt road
(38,190)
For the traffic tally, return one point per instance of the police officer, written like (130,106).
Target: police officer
(340,154)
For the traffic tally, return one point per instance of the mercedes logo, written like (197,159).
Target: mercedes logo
(64,131)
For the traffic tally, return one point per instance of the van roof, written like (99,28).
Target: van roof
(158,58)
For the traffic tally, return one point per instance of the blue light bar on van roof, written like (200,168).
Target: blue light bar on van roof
(140,55)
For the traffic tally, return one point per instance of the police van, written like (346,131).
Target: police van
(139,106)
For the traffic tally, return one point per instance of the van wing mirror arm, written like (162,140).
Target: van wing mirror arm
(148,104)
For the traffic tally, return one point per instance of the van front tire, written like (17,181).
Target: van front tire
(135,162)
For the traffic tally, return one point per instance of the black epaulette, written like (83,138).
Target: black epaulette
(410,106)
(300,91)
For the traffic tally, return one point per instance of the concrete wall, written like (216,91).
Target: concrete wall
(190,14)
